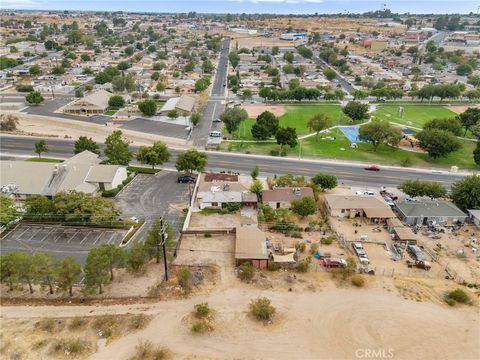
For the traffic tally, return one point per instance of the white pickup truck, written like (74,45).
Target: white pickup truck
(361,253)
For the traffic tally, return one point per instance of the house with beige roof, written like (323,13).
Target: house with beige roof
(370,208)
(282,197)
(95,103)
(251,246)
(82,172)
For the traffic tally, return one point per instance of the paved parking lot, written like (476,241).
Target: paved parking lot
(153,196)
(58,240)
(156,127)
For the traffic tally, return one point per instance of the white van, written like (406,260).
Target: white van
(215,134)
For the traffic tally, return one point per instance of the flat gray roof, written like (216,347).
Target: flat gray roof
(433,208)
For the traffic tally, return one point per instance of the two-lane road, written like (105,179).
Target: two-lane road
(348,173)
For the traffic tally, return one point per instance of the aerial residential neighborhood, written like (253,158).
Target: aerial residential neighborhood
(239,180)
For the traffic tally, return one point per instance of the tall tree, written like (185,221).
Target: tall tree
(419,187)
(45,269)
(157,154)
(83,143)
(266,126)
(34,97)
(304,206)
(470,118)
(41,147)
(450,124)
(148,107)
(286,136)
(191,160)
(325,181)
(8,211)
(319,122)
(438,143)
(356,111)
(232,117)
(97,269)
(137,257)
(116,149)
(154,240)
(25,268)
(466,192)
(8,269)
(378,132)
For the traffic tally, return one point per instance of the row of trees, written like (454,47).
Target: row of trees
(464,193)
(48,271)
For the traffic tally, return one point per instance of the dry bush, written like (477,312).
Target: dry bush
(184,275)
(105,324)
(145,350)
(77,323)
(137,322)
(202,310)
(69,346)
(49,325)
(8,122)
(262,309)
(246,272)
(358,280)
(202,326)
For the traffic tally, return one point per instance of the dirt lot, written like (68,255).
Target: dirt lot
(215,221)
(255,110)
(461,108)
(303,321)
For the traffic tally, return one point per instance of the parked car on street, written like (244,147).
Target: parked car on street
(186,179)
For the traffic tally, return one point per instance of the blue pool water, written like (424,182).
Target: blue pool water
(351,132)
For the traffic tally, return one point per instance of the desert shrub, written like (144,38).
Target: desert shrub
(8,122)
(358,280)
(274,152)
(77,323)
(146,351)
(201,310)
(300,246)
(450,302)
(327,240)
(262,309)
(246,272)
(296,234)
(313,248)
(47,325)
(71,346)
(105,324)
(138,321)
(304,265)
(273,266)
(202,326)
(40,344)
(458,295)
(184,278)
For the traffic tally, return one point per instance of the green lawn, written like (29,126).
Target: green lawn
(413,115)
(110,112)
(297,116)
(46,160)
(340,149)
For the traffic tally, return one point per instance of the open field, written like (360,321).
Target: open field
(297,116)
(340,149)
(413,115)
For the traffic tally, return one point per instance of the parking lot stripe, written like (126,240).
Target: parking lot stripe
(25,229)
(98,237)
(47,234)
(85,237)
(71,237)
(111,238)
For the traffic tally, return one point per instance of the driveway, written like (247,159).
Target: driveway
(153,196)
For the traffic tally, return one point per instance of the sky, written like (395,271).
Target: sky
(250,6)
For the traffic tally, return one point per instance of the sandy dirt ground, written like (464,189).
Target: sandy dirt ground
(461,108)
(336,324)
(255,110)
(214,221)
(46,125)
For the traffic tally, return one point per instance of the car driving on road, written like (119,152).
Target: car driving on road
(372,168)
(186,179)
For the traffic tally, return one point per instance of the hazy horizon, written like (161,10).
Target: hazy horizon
(280,7)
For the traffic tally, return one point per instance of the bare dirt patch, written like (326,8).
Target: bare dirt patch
(255,110)
(458,109)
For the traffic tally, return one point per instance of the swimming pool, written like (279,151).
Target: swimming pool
(351,132)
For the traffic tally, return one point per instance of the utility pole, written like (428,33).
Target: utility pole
(164,235)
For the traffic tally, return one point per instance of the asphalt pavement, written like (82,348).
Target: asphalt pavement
(347,172)
(215,105)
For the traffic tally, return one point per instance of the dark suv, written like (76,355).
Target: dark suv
(186,179)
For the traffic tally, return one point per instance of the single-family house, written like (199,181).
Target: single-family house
(282,197)
(251,246)
(216,190)
(430,212)
(370,208)
(183,105)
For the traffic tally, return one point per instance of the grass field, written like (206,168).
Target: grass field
(297,116)
(45,160)
(413,115)
(340,149)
